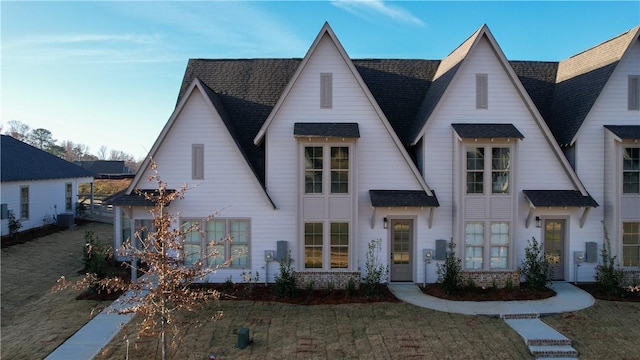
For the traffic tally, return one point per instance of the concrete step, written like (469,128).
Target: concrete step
(544,342)
(520,316)
(553,352)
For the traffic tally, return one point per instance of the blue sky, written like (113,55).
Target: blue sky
(108,73)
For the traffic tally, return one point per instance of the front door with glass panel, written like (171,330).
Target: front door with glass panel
(401,250)
(554,234)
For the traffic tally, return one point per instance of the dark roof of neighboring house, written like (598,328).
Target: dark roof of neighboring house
(487,131)
(21,162)
(346,130)
(244,91)
(559,198)
(625,132)
(102,167)
(402,198)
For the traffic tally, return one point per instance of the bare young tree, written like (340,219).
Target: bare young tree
(102,153)
(18,130)
(165,287)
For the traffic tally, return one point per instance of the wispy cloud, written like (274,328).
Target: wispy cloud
(73,48)
(367,8)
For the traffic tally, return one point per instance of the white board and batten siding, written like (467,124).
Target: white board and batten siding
(535,165)
(377,161)
(598,154)
(229,186)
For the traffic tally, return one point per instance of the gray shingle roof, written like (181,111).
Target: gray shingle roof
(346,130)
(21,162)
(245,90)
(487,131)
(100,167)
(625,132)
(402,198)
(559,198)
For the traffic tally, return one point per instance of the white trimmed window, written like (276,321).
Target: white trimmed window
(482,170)
(333,158)
(206,240)
(142,229)
(631,170)
(631,244)
(477,241)
(68,197)
(24,203)
(322,254)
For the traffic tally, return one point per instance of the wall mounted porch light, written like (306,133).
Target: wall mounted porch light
(385,223)
(538,222)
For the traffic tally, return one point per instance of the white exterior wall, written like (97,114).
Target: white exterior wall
(536,167)
(379,164)
(46,199)
(229,185)
(598,159)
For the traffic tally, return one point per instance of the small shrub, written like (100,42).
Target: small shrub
(609,275)
(310,286)
(509,283)
(14,224)
(227,286)
(449,273)
(352,287)
(376,271)
(285,282)
(97,256)
(535,268)
(330,287)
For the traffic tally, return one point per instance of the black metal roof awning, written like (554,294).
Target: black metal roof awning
(342,130)
(625,132)
(137,198)
(403,199)
(487,131)
(559,198)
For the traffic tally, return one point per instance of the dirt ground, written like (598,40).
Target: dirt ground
(34,321)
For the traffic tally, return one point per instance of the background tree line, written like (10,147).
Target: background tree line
(66,149)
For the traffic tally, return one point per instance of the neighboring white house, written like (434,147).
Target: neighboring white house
(36,186)
(327,153)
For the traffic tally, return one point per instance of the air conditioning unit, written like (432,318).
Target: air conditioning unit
(66,220)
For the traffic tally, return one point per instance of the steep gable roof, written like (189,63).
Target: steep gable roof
(22,162)
(580,80)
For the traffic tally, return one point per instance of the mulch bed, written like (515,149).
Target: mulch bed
(595,291)
(265,293)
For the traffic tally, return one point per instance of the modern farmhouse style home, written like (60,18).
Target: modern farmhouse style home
(319,156)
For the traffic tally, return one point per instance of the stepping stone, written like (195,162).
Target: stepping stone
(543,341)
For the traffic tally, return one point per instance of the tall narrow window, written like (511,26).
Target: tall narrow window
(631,244)
(339,170)
(239,231)
(631,170)
(216,249)
(500,165)
(339,245)
(197,161)
(313,169)
(326,90)
(475,170)
(68,197)
(313,236)
(482,91)
(24,202)
(474,245)
(499,245)
(634,92)
(192,242)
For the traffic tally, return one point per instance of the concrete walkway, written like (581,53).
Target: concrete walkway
(568,298)
(94,335)
(522,316)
